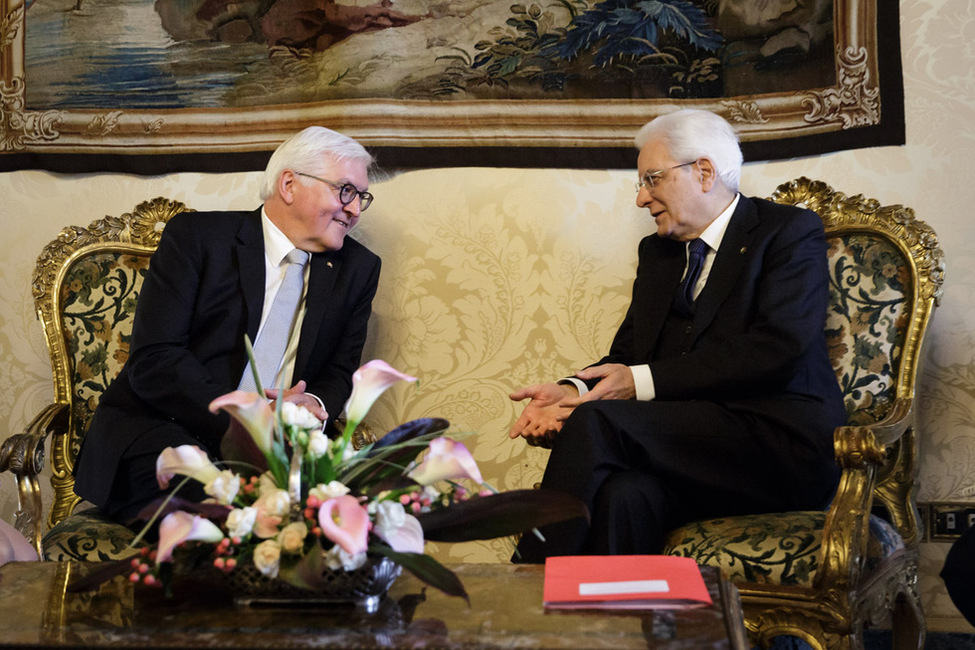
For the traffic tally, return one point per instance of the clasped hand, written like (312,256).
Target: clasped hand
(297,395)
(551,403)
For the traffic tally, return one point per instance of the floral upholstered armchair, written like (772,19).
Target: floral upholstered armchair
(824,576)
(85,285)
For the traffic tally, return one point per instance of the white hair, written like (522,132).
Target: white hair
(691,134)
(307,151)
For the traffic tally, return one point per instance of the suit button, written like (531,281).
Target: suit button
(688,329)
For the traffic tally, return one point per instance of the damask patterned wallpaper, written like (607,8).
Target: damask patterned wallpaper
(481,280)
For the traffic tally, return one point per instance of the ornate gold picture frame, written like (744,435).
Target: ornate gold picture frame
(854,111)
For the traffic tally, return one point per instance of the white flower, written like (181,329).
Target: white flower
(318,444)
(187,460)
(299,417)
(338,558)
(267,557)
(274,502)
(292,537)
(389,515)
(402,532)
(223,487)
(240,521)
(347,453)
(266,484)
(324,492)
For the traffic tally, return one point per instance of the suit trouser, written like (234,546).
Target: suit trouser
(135,485)
(644,468)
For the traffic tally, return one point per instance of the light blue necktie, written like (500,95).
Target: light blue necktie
(684,300)
(273,339)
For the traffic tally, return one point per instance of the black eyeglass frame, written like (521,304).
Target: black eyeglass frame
(347,191)
(649,178)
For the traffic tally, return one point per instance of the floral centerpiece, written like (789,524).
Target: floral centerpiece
(297,508)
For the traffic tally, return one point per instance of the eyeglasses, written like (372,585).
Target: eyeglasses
(650,179)
(347,192)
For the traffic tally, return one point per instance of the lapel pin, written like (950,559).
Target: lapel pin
(743,249)
(329,264)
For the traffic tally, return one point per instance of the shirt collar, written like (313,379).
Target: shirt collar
(714,233)
(276,243)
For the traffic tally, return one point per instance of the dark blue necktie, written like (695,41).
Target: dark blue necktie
(684,300)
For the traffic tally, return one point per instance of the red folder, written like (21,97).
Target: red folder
(624,582)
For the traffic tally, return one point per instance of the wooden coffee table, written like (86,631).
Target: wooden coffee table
(505,612)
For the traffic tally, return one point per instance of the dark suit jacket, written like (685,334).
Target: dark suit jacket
(757,338)
(204,290)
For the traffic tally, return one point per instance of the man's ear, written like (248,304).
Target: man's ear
(286,186)
(708,173)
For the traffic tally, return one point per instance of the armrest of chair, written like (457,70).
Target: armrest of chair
(23,455)
(859,452)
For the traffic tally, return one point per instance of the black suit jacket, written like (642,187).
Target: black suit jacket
(204,290)
(757,338)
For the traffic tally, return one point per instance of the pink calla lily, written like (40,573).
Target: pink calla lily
(345,522)
(252,411)
(446,459)
(368,383)
(178,527)
(187,460)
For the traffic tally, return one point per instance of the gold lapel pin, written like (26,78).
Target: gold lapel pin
(743,249)
(329,264)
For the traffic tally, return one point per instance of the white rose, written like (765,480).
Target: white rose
(324,492)
(317,444)
(223,487)
(292,537)
(267,558)
(299,417)
(266,484)
(240,521)
(338,558)
(390,516)
(274,503)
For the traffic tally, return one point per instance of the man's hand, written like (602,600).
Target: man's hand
(297,395)
(543,416)
(615,382)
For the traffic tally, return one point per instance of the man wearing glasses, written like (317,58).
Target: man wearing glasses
(285,275)
(717,397)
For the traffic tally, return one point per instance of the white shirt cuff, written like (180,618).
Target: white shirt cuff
(643,381)
(578,383)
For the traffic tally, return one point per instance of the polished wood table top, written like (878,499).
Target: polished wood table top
(505,612)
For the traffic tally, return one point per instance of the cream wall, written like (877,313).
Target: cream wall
(931,174)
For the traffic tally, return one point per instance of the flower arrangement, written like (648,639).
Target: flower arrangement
(297,505)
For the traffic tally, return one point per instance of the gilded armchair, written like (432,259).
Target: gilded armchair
(824,576)
(85,286)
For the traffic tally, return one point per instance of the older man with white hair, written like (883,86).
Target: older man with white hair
(284,274)
(717,397)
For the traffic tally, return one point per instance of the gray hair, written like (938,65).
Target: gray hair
(304,152)
(691,134)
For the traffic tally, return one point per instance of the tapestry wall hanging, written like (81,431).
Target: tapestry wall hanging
(168,85)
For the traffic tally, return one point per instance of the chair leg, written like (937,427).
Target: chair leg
(907,624)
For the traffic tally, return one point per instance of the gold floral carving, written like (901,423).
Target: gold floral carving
(20,128)
(854,102)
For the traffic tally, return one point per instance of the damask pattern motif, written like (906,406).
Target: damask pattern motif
(87,536)
(98,299)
